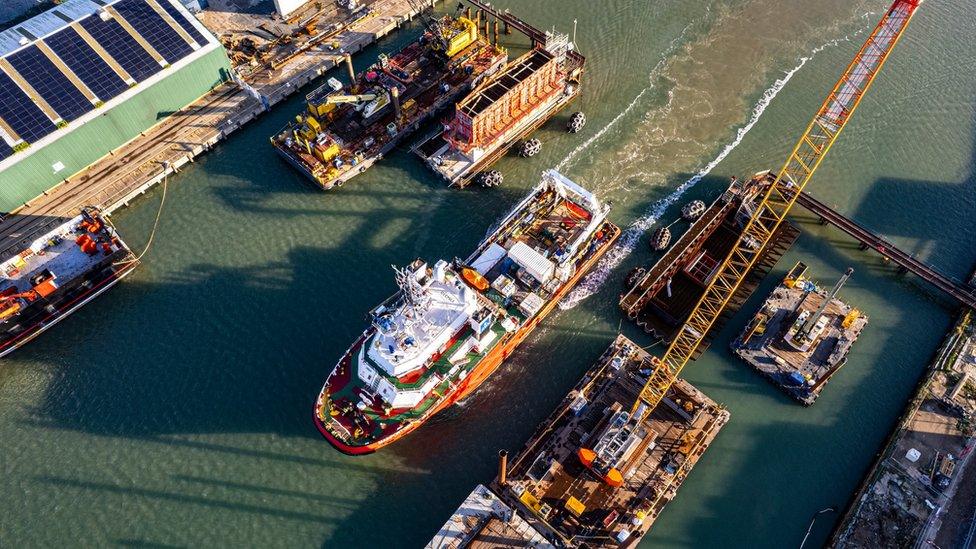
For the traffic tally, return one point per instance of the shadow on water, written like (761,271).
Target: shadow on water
(842,428)
(260,338)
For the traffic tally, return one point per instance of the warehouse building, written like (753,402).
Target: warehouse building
(87,76)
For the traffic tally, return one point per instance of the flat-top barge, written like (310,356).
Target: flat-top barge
(504,109)
(348,128)
(56,274)
(611,495)
(451,325)
(660,298)
(801,335)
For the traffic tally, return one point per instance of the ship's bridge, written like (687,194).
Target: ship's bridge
(432,310)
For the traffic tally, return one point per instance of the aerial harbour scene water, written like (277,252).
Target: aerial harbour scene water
(408,273)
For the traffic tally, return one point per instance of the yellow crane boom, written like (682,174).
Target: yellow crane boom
(778,198)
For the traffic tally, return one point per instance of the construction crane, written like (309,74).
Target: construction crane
(780,196)
(775,203)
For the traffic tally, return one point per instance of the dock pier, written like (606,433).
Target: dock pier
(122,175)
(961,292)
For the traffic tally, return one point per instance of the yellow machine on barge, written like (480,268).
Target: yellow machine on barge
(348,128)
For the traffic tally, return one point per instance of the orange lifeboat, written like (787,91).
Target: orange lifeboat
(613,478)
(586,456)
(474,278)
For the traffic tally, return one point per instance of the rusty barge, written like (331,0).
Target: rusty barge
(660,298)
(557,491)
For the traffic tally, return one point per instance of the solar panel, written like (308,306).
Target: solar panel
(84,62)
(47,80)
(182,20)
(154,29)
(5,149)
(21,113)
(122,47)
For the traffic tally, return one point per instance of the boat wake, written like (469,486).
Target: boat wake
(672,47)
(631,236)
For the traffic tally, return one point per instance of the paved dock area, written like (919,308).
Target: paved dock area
(919,493)
(117,178)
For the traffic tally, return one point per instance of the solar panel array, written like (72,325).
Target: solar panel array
(183,22)
(50,83)
(84,62)
(5,149)
(27,119)
(154,29)
(17,109)
(122,47)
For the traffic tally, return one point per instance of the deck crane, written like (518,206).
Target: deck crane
(773,205)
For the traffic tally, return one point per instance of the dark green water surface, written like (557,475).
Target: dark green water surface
(176,409)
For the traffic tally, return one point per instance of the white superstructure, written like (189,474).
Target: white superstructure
(431,311)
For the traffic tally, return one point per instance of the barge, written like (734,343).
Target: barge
(348,128)
(505,109)
(801,335)
(660,298)
(611,496)
(58,273)
(451,325)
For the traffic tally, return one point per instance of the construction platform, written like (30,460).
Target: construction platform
(122,175)
(570,503)
(801,336)
(660,298)
(506,108)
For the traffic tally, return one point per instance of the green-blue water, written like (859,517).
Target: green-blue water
(176,409)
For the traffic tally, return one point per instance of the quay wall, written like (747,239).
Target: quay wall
(82,146)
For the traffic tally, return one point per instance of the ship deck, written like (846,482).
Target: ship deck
(666,294)
(548,484)
(419,75)
(55,251)
(546,222)
(770,355)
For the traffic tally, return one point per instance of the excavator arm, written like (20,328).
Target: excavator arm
(357,99)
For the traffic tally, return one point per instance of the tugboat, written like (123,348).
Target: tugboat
(58,273)
(693,210)
(450,325)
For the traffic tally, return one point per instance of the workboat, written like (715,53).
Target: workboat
(348,128)
(56,274)
(451,324)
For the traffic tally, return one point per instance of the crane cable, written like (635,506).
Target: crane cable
(152,234)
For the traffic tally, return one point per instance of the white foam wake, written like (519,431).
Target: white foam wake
(631,236)
(630,106)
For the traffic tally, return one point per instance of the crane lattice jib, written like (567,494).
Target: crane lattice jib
(779,197)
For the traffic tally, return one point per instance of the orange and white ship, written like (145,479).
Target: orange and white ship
(450,325)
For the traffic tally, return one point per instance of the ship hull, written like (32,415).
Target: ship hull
(67,306)
(485,368)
